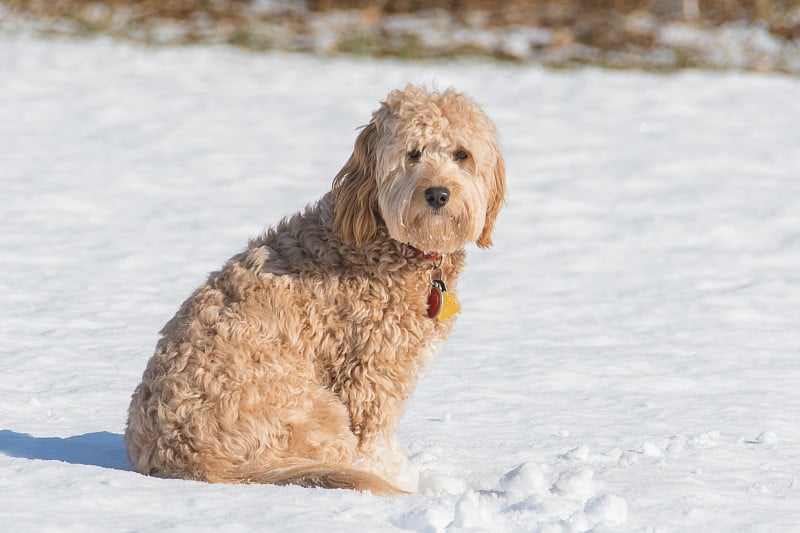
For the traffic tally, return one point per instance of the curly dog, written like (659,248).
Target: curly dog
(292,364)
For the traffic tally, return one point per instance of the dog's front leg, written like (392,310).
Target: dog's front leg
(374,389)
(374,412)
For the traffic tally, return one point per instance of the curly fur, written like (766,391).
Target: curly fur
(292,364)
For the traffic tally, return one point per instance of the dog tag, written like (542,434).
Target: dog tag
(441,305)
(450,307)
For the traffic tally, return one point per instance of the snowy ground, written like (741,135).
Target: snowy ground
(628,357)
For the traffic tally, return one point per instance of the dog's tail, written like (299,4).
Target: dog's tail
(325,475)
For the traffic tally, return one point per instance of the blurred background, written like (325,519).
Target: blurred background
(757,35)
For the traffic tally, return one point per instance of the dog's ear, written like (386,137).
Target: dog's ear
(498,196)
(356,191)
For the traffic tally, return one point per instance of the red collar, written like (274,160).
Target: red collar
(432,256)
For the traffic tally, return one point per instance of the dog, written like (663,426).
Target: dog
(292,364)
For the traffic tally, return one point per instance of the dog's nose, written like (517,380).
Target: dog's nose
(437,196)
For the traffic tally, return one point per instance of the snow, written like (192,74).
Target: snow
(627,358)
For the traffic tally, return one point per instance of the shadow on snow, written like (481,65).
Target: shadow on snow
(103,449)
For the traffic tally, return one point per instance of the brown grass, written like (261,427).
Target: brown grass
(511,12)
(607,27)
(560,11)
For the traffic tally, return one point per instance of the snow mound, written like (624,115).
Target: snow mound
(767,437)
(608,508)
(651,449)
(576,484)
(437,482)
(524,498)
(526,479)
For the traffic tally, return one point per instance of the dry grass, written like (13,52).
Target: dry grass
(716,11)
(618,33)
(597,14)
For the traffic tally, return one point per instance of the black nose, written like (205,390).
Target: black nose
(437,196)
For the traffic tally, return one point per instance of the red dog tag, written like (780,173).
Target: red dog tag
(435,300)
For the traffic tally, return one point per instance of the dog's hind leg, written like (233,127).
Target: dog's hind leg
(323,432)
(322,452)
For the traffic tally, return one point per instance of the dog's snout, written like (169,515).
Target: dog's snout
(437,196)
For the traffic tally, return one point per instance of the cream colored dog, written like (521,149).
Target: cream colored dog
(293,363)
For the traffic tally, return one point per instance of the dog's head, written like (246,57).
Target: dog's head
(428,167)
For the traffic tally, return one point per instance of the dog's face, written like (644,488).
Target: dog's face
(427,166)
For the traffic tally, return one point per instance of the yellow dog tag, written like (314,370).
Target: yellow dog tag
(441,305)
(450,307)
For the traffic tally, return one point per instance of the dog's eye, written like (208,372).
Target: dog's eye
(414,154)
(460,155)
